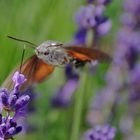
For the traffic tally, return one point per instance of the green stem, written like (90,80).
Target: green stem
(78,108)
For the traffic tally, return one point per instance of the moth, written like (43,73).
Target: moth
(51,54)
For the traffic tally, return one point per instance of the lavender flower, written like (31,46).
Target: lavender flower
(18,79)
(8,127)
(105,132)
(80,36)
(33,96)
(85,17)
(132,6)
(11,101)
(64,95)
(134,81)
(91,16)
(129,38)
(128,20)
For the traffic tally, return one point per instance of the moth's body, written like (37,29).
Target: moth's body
(52,52)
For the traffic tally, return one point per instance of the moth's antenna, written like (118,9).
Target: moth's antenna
(21,40)
(23,52)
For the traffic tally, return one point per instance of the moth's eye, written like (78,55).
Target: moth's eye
(46,53)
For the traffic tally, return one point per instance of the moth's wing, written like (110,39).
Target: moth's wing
(87,54)
(34,69)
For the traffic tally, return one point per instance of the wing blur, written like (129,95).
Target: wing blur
(87,54)
(34,69)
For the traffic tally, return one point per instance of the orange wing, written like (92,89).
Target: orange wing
(87,54)
(34,69)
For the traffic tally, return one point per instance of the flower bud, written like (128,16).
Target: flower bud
(21,102)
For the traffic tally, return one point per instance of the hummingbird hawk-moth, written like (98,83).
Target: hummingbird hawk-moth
(50,54)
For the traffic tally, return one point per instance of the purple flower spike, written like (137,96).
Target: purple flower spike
(63,96)
(99,10)
(10,131)
(4,98)
(18,129)
(70,73)
(18,78)
(13,123)
(132,6)
(21,102)
(8,128)
(105,132)
(12,102)
(3,127)
(104,28)
(85,17)
(128,20)
(92,17)
(111,134)
(80,36)
(4,95)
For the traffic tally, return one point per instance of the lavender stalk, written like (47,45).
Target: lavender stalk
(13,105)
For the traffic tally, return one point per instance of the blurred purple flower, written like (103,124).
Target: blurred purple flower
(128,37)
(104,27)
(91,16)
(134,79)
(11,101)
(105,132)
(64,94)
(80,36)
(128,20)
(70,73)
(132,6)
(85,17)
(129,43)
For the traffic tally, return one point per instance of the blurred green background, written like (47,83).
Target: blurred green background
(37,21)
